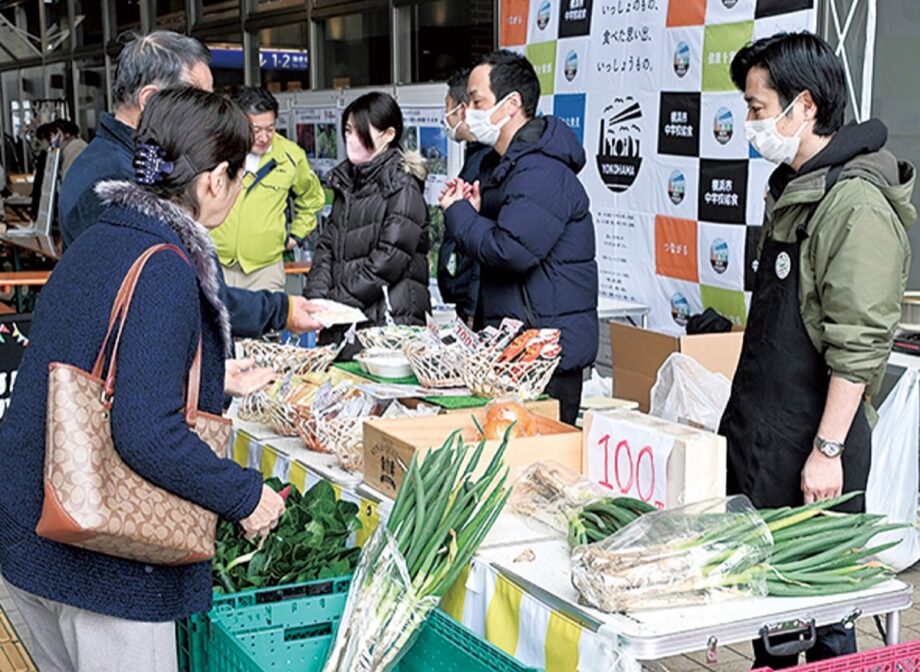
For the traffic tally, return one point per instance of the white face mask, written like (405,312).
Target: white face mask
(480,123)
(776,148)
(451,131)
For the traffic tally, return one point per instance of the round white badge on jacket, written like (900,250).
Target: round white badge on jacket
(783,266)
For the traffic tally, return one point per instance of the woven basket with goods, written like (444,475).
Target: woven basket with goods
(335,421)
(339,436)
(290,358)
(387,338)
(487,377)
(502,361)
(435,364)
(254,407)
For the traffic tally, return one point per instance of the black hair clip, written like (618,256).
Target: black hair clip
(150,164)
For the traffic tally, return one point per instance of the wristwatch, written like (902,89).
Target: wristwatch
(829,448)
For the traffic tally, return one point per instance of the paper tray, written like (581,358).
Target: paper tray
(660,633)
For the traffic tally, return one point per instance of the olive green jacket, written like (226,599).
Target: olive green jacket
(855,262)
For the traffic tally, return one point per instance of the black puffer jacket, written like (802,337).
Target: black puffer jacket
(378,235)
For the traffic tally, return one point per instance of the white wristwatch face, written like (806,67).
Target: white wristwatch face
(829,448)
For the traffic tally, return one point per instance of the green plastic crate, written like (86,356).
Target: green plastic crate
(443,645)
(297,618)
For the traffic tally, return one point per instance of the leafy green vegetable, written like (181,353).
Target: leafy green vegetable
(310,542)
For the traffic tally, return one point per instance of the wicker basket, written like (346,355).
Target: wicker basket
(488,378)
(283,417)
(387,338)
(254,407)
(342,437)
(284,358)
(436,366)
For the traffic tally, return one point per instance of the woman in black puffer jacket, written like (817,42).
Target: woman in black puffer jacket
(378,233)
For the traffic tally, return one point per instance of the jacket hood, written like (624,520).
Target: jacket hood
(192,235)
(859,150)
(556,141)
(387,169)
(895,179)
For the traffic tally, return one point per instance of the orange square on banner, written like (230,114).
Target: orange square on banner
(686,13)
(514,23)
(676,248)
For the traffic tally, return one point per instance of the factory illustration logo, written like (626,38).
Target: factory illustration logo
(619,151)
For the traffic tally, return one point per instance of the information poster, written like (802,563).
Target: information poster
(317,131)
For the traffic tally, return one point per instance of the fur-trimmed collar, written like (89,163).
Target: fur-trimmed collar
(387,172)
(193,236)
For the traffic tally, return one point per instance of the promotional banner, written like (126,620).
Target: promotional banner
(677,193)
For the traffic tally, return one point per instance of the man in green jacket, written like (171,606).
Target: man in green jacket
(832,266)
(278,180)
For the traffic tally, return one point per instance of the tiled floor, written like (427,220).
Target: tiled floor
(735,658)
(15,637)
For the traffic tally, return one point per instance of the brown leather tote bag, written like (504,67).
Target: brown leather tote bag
(92,499)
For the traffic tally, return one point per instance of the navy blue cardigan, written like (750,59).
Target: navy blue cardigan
(171,308)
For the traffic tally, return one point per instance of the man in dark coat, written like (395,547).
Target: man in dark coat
(528,223)
(147,64)
(458,274)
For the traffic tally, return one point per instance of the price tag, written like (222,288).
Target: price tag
(629,459)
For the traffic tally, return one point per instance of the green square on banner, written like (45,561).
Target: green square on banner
(720,45)
(543,58)
(729,303)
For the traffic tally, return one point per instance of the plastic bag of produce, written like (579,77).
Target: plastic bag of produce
(686,391)
(571,505)
(383,612)
(893,478)
(697,554)
(549,494)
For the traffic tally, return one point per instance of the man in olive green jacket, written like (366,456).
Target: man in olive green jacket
(277,180)
(831,269)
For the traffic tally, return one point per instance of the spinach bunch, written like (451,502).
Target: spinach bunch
(310,542)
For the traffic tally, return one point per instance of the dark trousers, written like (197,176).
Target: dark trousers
(566,387)
(833,641)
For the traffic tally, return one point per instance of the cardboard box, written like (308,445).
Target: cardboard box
(390,444)
(696,467)
(639,353)
(20,183)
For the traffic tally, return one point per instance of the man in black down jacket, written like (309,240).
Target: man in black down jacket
(529,225)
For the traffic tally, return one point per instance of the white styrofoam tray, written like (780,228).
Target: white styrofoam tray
(660,633)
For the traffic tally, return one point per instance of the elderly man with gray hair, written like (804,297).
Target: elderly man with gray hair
(147,64)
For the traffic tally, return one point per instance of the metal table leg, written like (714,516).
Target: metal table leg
(893,628)
(17,291)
